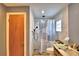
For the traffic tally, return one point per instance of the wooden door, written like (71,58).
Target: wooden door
(16,35)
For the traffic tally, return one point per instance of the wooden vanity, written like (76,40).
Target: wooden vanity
(68,52)
(58,52)
(61,49)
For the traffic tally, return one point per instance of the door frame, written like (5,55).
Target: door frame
(7,31)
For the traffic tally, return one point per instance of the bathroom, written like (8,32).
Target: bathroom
(44,25)
(48,30)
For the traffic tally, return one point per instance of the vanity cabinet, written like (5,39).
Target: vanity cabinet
(56,52)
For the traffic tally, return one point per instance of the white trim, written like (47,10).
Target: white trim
(7,31)
(7,35)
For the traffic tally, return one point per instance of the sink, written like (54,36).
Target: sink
(61,46)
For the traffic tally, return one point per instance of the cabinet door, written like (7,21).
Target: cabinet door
(56,52)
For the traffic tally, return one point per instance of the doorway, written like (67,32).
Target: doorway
(16,33)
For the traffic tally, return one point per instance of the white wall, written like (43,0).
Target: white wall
(2,30)
(31,34)
(63,16)
(74,23)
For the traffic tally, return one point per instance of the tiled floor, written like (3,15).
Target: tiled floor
(40,54)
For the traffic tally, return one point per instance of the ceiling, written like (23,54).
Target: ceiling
(50,9)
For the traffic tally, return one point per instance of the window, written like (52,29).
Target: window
(58,26)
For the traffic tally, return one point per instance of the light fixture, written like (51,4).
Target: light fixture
(42,11)
(43,16)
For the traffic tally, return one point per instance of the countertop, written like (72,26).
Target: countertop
(68,52)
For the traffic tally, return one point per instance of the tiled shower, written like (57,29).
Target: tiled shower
(44,34)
